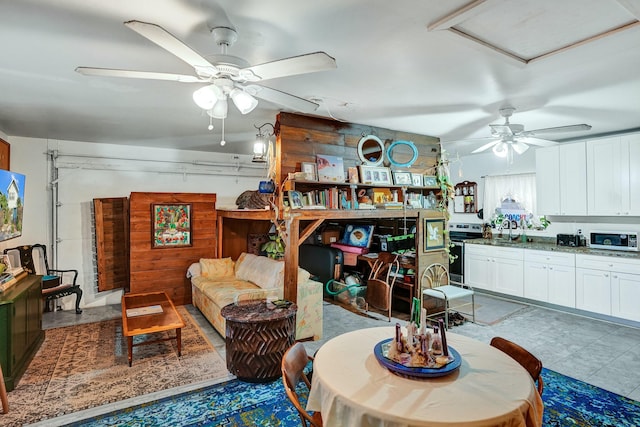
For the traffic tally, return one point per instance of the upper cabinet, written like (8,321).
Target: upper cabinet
(592,178)
(561,180)
(611,176)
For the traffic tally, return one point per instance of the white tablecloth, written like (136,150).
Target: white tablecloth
(351,388)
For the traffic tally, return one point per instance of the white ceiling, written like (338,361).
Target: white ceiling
(425,66)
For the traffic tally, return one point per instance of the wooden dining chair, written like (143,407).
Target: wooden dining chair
(532,364)
(380,282)
(294,361)
(3,394)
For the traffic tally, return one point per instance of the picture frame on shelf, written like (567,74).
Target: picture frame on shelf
(330,168)
(352,175)
(402,178)
(417,179)
(309,170)
(171,225)
(430,181)
(433,234)
(375,175)
(295,199)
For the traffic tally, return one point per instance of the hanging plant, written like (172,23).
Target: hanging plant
(447,192)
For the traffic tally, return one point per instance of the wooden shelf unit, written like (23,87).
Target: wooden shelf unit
(299,139)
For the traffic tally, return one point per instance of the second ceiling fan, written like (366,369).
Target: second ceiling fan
(509,137)
(226,76)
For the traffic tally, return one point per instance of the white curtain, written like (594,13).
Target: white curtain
(520,187)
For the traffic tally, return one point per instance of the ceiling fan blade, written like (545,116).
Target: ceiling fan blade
(108,72)
(309,63)
(519,147)
(169,42)
(538,141)
(570,128)
(486,146)
(282,98)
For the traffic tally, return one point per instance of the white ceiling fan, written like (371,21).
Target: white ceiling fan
(510,137)
(226,76)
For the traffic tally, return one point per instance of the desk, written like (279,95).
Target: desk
(351,388)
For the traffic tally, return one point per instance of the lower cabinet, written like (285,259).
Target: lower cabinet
(608,285)
(550,277)
(495,268)
(20,327)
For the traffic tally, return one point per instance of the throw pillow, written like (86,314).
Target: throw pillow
(217,267)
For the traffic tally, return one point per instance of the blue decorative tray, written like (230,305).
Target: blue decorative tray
(381,350)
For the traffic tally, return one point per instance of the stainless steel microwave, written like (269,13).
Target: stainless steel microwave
(619,241)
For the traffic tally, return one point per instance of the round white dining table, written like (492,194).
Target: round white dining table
(351,388)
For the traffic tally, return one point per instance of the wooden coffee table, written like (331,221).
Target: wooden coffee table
(155,313)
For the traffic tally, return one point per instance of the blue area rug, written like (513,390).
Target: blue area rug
(568,402)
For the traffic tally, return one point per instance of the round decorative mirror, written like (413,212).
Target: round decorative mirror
(402,154)
(371,150)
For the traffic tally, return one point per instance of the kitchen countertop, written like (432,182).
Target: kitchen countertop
(549,244)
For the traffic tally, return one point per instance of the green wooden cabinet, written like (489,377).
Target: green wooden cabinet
(20,327)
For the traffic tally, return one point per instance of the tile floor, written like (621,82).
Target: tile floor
(598,352)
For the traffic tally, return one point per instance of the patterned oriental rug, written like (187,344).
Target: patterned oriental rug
(568,403)
(85,366)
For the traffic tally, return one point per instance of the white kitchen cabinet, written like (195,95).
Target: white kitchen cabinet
(495,268)
(612,176)
(550,277)
(608,285)
(625,294)
(561,179)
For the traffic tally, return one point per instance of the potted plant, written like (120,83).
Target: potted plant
(274,248)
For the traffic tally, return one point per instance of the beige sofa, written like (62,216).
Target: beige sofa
(216,283)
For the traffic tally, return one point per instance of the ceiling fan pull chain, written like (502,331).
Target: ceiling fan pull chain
(222,142)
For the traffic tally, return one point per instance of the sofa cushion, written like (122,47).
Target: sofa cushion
(265,272)
(216,267)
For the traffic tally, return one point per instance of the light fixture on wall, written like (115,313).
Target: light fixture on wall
(214,98)
(260,146)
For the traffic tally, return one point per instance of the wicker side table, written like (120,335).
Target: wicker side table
(256,338)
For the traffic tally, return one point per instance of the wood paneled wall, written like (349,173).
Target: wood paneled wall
(164,269)
(300,138)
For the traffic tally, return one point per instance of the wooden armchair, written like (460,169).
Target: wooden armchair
(55,283)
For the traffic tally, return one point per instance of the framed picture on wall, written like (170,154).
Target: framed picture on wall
(171,225)
(430,181)
(433,234)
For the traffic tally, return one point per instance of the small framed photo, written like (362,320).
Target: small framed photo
(433,234)
(375,175)
(352,173)
(309,170)
(295,199)
(6,260)
(417,179)
(402,178)
(430,181)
